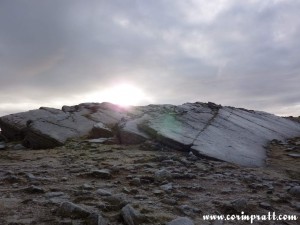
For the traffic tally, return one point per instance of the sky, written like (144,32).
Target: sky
(231,52)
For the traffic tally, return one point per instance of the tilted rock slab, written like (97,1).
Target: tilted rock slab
(48,127)
(225,133)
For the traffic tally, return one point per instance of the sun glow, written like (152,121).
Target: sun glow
(123,95)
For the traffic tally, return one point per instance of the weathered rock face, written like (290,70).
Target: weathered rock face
(224,133)
(48,127)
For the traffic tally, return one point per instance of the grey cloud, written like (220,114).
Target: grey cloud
(245,54)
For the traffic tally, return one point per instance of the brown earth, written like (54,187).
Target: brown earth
(159,182)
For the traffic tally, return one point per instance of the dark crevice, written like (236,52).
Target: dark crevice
(209,122)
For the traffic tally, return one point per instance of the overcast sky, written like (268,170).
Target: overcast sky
(232,52)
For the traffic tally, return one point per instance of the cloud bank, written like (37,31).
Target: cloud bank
(239,53)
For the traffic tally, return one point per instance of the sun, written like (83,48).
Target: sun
(122,94)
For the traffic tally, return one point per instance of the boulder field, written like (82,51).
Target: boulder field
(206,129)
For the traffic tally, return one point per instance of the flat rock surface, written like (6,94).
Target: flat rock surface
(187,186)
(225,133)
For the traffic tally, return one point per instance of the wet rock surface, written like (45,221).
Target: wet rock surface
(136,185)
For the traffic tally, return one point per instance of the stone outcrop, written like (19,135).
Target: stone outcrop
(205,129)
(48,127)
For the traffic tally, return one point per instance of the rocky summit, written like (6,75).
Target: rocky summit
(204,129)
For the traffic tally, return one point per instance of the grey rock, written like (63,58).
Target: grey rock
(103,173)
(54,194)
(167,187)
(132,216)
(19,147)
(69,209)
(10,178)
(125,190)
(265,205)
(294,155)
(297,205)
(141,197)
(202,128)
(100,130)
(136,181)
(57,198)
(2,145)
(181,221)
(103,192)
(48,127)
(87,187)
(162,175)
(184,175)
(98,140)
(295,191)
(34,190)
(115,202)
(44,127)
(192,157)
(240,204)
(169,201)
(212,131)
(158,192)
(187,210)
(2,138)
(128,131)
(32,177)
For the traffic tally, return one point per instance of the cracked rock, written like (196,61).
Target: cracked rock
(202,128)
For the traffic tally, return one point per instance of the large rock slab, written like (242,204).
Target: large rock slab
(48,127)
(225,133)
(14,126)
(240,136)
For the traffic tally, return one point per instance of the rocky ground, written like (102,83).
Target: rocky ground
(90,183)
